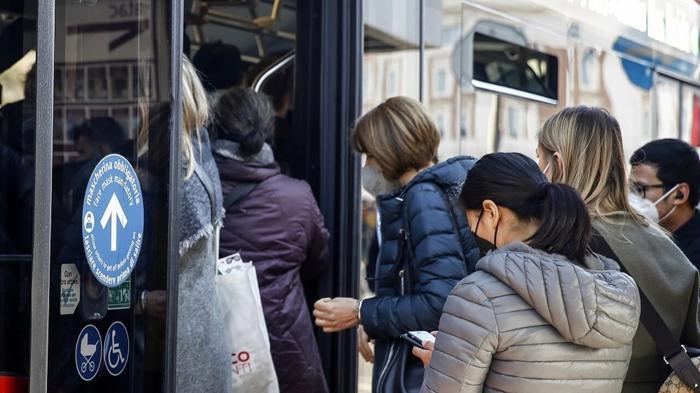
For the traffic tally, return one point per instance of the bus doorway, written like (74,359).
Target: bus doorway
(90,163)
(306,56)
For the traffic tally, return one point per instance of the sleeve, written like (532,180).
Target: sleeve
(437,267)
(691,328)
(317,245)
(465,344)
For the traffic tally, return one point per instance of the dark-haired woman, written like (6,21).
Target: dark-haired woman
(274,221)
(540,314)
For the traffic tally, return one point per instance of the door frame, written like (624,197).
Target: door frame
(327,102)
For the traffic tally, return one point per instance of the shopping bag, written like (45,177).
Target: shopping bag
(251,361)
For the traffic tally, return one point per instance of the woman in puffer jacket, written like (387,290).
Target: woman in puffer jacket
(425,246)
(540,314)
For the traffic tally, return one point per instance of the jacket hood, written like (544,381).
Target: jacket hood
(233,170)
(448,175)
(593,308)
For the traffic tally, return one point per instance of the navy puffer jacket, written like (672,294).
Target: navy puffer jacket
(442,251)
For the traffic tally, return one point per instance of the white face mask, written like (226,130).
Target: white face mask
(663,197)
(644,206)
(375,183)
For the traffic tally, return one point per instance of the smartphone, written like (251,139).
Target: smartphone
(417,337)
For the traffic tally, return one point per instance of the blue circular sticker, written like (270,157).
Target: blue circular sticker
(116,348)
(88,353)
(113,220)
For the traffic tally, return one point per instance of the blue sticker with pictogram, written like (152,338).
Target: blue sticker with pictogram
(116,348)
(113,220)
(88,353)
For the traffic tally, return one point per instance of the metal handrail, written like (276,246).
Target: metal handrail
(278,65)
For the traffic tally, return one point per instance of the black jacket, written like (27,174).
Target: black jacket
(441,251)
(687,238)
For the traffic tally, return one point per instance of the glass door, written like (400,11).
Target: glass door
(110,196)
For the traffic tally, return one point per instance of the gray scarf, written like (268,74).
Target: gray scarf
(196,219)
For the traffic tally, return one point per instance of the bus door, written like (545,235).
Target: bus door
(88,190)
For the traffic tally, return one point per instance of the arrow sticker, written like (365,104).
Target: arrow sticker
(112,213)
(112,220)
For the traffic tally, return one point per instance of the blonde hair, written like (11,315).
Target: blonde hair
(589,143)
(195,112)
(399,135)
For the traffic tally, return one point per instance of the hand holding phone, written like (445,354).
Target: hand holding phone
(418,337)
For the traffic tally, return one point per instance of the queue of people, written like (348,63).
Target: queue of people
(554,303)
(533,276)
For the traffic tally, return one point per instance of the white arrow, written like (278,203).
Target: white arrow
(112,213)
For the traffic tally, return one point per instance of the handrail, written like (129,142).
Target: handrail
(278,65)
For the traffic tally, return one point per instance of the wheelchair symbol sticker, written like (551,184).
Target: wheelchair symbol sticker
(88,353)
(116,348)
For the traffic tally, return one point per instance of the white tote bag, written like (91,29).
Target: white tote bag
(251,362)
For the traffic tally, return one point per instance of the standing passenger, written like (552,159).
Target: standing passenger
(203,352)
(274,221)
(533,318)
(425,245)
(582,147)
(667,172)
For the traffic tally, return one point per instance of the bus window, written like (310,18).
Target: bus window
(17,118)
(513,69)
(667,99)
(690,120)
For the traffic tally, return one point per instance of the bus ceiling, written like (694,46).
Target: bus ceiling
(257,27)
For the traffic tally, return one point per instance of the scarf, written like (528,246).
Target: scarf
(196,219)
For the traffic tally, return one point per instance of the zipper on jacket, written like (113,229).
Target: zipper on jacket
(385,368)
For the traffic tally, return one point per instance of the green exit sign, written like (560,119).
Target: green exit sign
(120,297)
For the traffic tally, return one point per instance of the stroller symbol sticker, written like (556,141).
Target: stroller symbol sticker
(88,353)
(116,348)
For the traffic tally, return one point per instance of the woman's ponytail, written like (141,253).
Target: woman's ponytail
(565,225)
(515,181)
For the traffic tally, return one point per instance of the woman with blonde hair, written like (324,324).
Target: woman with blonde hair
(582,147)
(203,353)
(425,245)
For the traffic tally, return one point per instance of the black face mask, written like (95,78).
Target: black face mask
(484,245)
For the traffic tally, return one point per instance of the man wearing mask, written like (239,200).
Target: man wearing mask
(666,172)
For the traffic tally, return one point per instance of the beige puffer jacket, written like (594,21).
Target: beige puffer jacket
(532,322)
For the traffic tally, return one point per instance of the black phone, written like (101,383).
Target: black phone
(415,341)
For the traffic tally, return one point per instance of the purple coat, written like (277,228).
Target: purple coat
(279,227)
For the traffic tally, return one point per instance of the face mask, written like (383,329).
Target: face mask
(375,183)
(484,245)
(644,206)
(664,196)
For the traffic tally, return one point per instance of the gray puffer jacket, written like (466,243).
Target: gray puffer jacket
(527,321)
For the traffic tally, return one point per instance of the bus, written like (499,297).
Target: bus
(85,79)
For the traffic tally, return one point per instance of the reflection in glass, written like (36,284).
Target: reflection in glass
(501,63)
(17,119)
(105,65)
(119,76)
(97,83)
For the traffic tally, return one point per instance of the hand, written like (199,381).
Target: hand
(425,354)
(336,314)
(363,346)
